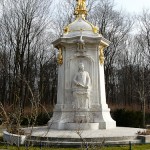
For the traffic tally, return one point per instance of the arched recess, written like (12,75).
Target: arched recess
(72,68)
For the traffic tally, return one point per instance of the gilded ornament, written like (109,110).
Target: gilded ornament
(66,30)
(95,29)
(81,4)
(101,56)
(60,57)
(80,8)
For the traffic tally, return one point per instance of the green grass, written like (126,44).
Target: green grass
(134,147)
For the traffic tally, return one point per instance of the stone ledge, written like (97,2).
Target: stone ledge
(38,135)
(144,138)
(13,138)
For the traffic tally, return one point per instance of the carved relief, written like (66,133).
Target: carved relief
(81,44)
(81,87)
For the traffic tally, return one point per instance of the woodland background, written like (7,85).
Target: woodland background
(28,61)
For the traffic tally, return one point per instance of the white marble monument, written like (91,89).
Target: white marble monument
(81,99)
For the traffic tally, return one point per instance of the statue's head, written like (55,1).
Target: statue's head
(81,67)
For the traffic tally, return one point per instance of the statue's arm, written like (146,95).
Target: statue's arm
(75,80)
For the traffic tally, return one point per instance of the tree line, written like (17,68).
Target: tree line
(28,61)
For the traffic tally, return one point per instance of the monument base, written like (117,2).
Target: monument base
(74,126)
(70,138)
(82,126)
(92,119)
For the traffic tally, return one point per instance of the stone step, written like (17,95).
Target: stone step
(78,139)
(79,144)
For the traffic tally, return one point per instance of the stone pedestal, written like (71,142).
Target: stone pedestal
(81,99)
(84,106)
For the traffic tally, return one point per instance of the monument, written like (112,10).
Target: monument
(81,111)
(81,99)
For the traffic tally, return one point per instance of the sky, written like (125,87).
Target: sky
(132,6)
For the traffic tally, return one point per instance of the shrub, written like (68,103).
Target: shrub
(42,119)
(128,118)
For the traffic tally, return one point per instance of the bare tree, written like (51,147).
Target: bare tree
(64,14)
(115,26)
(142,46)
(144,36)
(23,25)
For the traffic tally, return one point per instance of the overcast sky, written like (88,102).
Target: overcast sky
(132,6)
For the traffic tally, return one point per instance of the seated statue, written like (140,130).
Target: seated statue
(81,88)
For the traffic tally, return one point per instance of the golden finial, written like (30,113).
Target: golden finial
(80,8)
